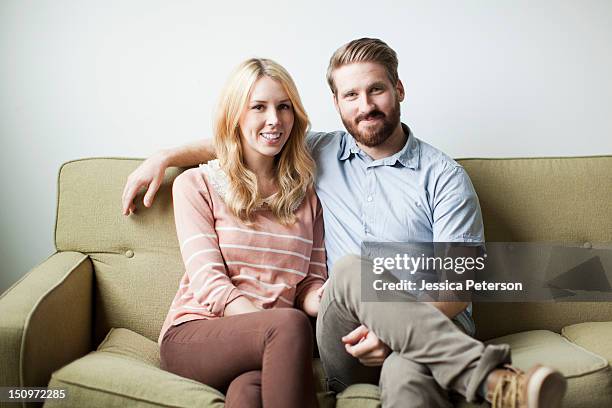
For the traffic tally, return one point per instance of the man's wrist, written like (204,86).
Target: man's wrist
(163,157)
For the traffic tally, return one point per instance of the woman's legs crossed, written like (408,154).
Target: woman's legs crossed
(276,341)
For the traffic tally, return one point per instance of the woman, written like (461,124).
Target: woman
(250,230)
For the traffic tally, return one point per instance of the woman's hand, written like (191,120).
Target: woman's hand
(240,305)
(149,175)
(312,301)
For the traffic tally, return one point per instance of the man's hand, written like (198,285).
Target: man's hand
(149,175)
(363,344)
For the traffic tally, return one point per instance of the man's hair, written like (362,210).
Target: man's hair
(294,165)
(363,50)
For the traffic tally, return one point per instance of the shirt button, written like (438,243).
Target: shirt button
(369,198)
(587,245)
(129,253)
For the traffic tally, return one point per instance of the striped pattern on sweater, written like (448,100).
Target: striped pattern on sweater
(271,264)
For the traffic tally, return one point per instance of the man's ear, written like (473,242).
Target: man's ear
(400,90)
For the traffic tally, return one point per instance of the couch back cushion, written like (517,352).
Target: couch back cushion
(542,199)
(138,265)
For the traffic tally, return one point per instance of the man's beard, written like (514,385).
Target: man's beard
(377,133)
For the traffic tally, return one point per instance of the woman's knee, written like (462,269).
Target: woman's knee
(244,391)
(291,323)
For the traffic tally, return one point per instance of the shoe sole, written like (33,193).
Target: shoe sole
(546,388)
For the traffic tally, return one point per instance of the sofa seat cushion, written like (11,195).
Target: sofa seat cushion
(359,396)
(124,371)
(548,348)
(589,376)
(327,399)
(593,336)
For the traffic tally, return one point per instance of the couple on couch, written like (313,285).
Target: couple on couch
(257,244)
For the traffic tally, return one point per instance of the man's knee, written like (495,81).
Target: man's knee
(346,271)
(395,366)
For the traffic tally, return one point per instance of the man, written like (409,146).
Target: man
(377,182)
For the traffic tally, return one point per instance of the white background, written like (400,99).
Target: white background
(125,78)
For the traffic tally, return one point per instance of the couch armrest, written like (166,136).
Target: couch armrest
(46,320)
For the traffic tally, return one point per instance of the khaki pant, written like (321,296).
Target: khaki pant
(431,355)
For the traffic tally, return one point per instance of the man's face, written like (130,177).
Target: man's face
(367,101)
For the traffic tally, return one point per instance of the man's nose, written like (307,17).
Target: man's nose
(365,104)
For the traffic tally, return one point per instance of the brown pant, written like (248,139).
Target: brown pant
(257,359)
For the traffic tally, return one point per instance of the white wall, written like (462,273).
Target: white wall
(125,78)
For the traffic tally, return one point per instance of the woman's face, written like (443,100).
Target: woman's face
(266,123)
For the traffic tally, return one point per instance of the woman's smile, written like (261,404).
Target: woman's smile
(271,138)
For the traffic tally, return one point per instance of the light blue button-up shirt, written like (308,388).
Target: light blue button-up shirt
(418,194)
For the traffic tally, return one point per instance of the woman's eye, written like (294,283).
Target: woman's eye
(257,107)
(284,106)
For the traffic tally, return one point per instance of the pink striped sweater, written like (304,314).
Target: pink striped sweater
(271,264)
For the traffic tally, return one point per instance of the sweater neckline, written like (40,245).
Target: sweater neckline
(220,182)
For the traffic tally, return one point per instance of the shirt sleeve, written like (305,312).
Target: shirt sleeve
(456,210)
(312,138)
(317,270)
(206,273)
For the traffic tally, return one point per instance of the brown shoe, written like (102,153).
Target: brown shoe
(540,387)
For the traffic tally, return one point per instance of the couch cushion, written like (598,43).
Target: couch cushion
(327,399)
(136,259)
(593,336)
(124,371)
(359,396)
(589,376)
(542,346)
(560,199)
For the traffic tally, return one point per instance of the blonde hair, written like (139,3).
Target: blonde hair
(363,50)
(294,167)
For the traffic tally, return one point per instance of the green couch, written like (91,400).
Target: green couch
(88,317)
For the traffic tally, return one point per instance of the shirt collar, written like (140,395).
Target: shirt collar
(349,147)
(407,157)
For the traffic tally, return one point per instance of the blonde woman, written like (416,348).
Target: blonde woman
(250,230)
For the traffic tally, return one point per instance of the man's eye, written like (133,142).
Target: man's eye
(350,95)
